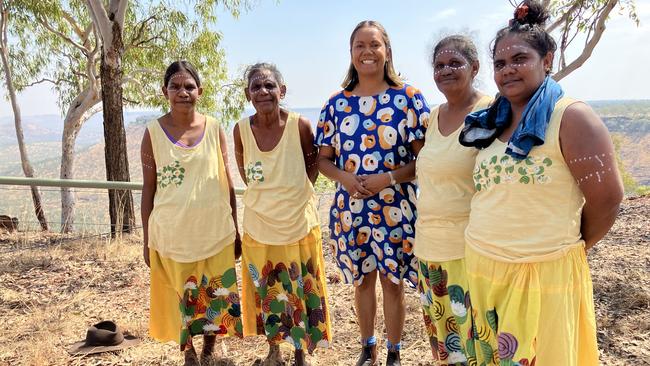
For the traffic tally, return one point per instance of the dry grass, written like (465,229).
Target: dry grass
(52,289)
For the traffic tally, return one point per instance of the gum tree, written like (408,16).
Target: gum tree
(74,40)
(11,25)
(581,24)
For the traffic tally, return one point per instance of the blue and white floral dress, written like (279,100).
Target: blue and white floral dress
(372,135)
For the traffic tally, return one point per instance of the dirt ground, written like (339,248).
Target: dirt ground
(52,288)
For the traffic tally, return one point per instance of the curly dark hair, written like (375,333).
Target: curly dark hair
(528,23)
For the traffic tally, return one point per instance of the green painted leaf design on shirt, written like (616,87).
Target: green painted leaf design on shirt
(507,170)
(172,173)
(254,172)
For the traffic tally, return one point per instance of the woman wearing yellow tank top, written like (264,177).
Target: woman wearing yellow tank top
(189,215)
(548,189)
(284,295)
(444,172)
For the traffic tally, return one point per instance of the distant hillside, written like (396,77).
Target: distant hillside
(629,119)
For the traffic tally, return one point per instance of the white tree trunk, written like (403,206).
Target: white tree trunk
(24,159)
(77,115)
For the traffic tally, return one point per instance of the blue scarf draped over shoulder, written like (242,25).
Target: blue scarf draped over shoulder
(484,126)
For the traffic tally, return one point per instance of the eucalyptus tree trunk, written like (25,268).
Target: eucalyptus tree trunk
(24,159)
(78,113)
(117,163)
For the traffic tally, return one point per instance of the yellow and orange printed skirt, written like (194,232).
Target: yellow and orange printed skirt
(189,299)
(533,313)
(284,294)
(447,312)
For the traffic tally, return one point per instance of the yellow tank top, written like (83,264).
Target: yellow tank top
(444,172)
(526,210)
(191,217)
(279,201)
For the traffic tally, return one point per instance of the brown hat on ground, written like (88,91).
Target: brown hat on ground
(103,337)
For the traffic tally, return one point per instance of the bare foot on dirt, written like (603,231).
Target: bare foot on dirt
(191,359)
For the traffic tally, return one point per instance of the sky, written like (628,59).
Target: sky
(309,42)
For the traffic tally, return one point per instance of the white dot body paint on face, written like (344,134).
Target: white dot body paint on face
(452,52)
(437,71)
(516,47)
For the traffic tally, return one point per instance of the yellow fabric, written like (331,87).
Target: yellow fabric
(191,217)
(284,293)
(447,311)
(194,298)
(444,172)
(535,312)
(279,191)
(525,210)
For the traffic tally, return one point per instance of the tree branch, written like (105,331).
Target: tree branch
(101,21)
(45,80)
(563,18)
(140,31)
(118,7)
(591,44)
(75,27)
(47,26)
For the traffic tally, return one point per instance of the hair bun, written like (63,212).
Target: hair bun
(530,12)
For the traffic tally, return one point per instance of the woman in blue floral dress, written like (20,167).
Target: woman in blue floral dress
(369,135)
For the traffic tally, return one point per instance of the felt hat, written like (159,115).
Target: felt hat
(105,336)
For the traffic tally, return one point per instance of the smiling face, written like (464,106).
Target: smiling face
(264,91)
(182,91)
(369,52)
(518,68)
(452,72)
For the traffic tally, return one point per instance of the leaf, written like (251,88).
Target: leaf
(525,179)
(297,333)
(492,319)
(271,330)
(486,349)
(548,162)
(277,306)
(255,274)
(497,180)
(316,334)
(229,278)
(522,170)
(313,301)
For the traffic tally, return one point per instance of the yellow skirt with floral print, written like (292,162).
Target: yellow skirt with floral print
(447,310)
(284,295)
(533,313)
(189,299)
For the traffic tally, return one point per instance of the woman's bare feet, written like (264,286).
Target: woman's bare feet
(300,358)
(274,358)
(191,359)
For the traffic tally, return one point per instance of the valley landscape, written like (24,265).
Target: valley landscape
(52,286)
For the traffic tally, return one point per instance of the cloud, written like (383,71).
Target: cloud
(442,15)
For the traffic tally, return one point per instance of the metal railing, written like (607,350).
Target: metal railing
(93,192)
(77,183)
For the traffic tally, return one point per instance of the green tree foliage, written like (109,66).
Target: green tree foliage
(155,34)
